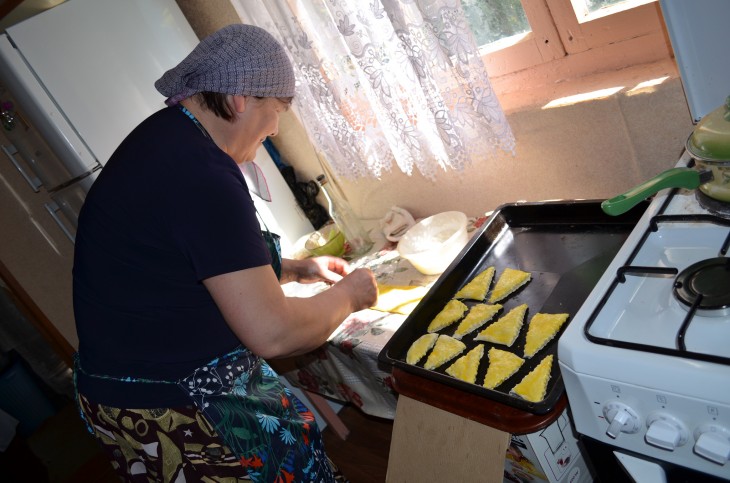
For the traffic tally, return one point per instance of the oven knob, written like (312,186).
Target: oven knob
(621,419)
(713,443)
(665,431)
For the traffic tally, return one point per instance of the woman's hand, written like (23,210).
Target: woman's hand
(359,284)
(311,270)
(361,288)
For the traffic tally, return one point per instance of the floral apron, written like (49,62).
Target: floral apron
(269,430)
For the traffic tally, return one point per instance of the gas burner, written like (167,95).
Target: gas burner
(716,207)
(706,284)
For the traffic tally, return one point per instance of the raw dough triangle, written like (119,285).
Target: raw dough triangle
(506,329)
(446,348)
(541,330)
(466,367)
(478,287)
(532,387)
(452,312)
(509,281)
(399,299)
(419,348)
(479,315)
(502,365)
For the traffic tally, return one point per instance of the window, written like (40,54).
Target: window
(590,35)
(586,8)
(494,20)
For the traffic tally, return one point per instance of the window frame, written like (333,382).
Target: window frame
(558,35)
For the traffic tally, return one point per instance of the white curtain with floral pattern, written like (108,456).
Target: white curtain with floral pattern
(387,82)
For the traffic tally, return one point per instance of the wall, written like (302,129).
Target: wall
(593,149)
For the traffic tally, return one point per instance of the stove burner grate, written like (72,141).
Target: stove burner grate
(715,288)
(716,207)
(706,286)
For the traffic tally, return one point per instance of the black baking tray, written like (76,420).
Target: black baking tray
(565,245)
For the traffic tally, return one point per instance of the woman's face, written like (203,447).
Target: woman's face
(259,120)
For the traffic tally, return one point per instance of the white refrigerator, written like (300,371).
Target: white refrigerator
(698,33)
(80,77)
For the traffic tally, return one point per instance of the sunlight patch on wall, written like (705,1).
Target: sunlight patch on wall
(583,97)
(646,87)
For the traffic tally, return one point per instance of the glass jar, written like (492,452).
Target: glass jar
(357,241)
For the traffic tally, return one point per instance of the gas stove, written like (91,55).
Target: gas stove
(646,359)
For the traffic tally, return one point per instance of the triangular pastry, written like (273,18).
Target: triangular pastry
(466,367)
(506,329)
(446,348)
(479,315)
(502,365)
(399,299)
(419,348)
(478,287)
(541,330)
(509,281)
(452,312)
(532,387)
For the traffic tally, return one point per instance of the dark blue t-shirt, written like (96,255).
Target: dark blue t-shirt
(168,210)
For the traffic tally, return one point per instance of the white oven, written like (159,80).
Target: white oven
(646,360)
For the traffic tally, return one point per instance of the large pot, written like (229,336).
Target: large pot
(709,145)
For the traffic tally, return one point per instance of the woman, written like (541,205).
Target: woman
(176,294)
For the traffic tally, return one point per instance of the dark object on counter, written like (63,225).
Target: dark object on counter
(566,247)
(306,196)
(304,193)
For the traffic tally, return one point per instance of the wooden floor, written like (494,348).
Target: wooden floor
(363,456)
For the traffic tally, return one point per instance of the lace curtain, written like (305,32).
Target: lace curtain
(384,82)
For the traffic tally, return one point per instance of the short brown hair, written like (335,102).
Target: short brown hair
(217,103)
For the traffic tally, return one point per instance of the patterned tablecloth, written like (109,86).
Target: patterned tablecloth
(346,367)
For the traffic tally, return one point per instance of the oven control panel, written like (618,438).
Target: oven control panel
(679,429)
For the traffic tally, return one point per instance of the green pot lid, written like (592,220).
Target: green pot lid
(710,140)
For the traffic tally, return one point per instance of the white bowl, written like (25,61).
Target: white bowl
(433,243)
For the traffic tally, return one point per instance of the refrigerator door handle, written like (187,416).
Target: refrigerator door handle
(33,181)
(52,208)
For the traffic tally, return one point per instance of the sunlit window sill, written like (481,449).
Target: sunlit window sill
(639,78)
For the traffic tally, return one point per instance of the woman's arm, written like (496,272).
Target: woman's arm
(273,325)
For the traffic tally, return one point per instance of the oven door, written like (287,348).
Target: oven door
(612,464)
